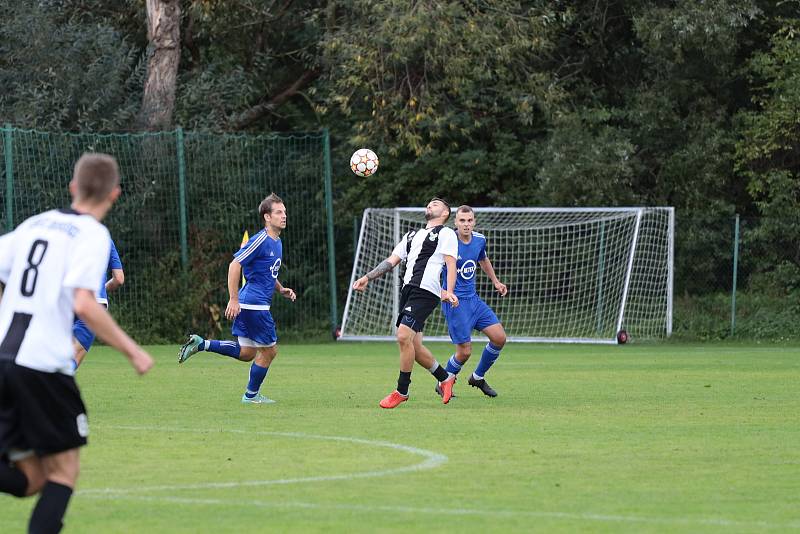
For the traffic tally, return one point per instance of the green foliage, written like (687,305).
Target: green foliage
(502,102)
(445,116)
(759,315)
(238,55)
(588,162)
(58,72)
(769,151)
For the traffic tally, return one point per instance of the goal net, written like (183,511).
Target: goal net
(574,275)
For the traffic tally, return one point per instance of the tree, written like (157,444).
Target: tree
(251,65)
(768,154)
(453,96)
(164,53)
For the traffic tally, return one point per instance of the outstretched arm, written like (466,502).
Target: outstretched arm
(285,291)
(486,265)
(382,268)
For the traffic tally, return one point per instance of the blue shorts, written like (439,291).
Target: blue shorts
(257,326)
(471,313)
(81,332)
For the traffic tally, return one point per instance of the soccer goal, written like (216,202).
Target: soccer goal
(574,275)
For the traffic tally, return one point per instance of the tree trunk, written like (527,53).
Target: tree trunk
(164,54)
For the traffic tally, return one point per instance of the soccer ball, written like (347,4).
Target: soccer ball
(622,337)
(364,162)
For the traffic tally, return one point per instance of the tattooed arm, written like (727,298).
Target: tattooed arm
(382,268)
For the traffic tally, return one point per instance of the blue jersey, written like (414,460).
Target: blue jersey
(113,263)
(469,254)
(261,260)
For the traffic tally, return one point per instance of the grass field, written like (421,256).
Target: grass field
(639,438)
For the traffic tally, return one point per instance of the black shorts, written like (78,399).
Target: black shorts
(416,305)
(39,412)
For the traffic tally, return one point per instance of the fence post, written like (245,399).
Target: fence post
(735,273)
(326,145)
(182,199)
(8,146)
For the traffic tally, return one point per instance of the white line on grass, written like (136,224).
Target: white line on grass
(609,518)
(431,460)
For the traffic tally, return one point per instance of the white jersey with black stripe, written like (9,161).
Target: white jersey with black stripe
(424,251)
(42,262)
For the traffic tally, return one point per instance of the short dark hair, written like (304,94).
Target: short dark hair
(266,205)
(443,201)
(95,175)
(463,208)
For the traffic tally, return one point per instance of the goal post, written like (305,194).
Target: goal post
(574,275)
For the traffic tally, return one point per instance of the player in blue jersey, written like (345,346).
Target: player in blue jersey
(473,312)
(257,341)
(83,337)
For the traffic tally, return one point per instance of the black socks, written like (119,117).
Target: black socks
(49,511)
(12,481)
(403,382)
(440,374)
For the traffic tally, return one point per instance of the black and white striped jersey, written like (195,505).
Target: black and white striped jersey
(42,262)
(424,251)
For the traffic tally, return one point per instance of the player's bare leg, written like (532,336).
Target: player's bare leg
(61,473)
(496,334)
(265,355)
(34,477)
(405,342)
(80,352)
(247,354)
(463,352)
(422,355)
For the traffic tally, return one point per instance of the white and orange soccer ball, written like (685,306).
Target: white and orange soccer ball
(364,162)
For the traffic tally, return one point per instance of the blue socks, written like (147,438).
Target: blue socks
(226,348)
(489,356)
(257,376)
(453,366)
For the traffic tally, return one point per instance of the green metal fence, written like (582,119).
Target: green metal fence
(735,278)
(187,199)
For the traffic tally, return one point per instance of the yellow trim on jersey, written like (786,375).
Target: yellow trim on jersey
(245,239)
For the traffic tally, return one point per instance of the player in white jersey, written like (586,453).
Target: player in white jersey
(426,251)
(50,266)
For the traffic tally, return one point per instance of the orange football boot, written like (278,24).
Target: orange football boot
(447,388)
(393,400)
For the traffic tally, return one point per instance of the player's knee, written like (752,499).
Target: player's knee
(498,340)
(405,336)
(36,481)
(246,354)
(265,357)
